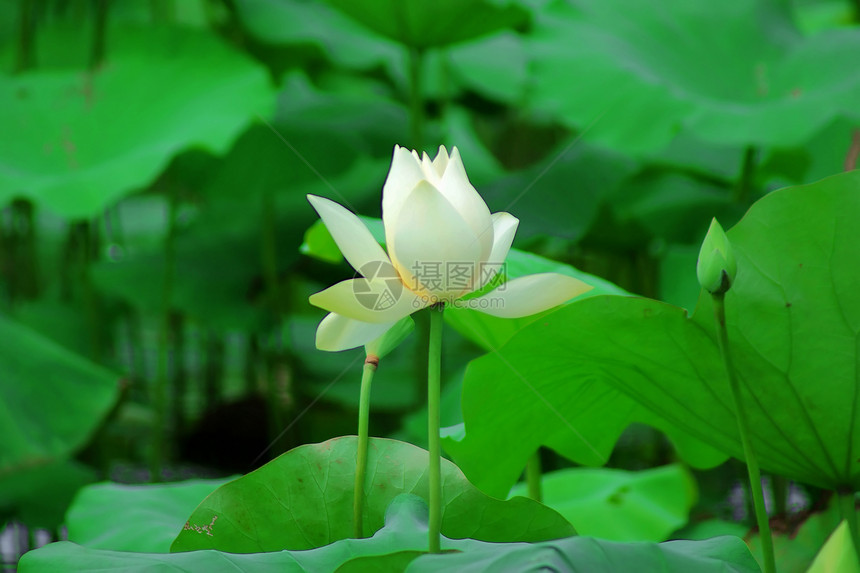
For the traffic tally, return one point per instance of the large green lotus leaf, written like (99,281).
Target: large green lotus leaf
(793,317)
(303,499)
(620,505)
(339,37)
(433,24)
(718,555)
(401,541)
(150,516)
(405,530)
(77,141)
(51,400)
(735,72)
(516,402)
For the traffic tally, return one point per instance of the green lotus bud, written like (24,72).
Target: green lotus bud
(717,267)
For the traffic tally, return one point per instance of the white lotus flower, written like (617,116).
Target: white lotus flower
(443,243)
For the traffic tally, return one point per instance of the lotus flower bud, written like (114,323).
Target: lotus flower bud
(717,267)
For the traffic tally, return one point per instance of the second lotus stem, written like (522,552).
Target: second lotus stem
(434,391)
(533,476)
(743,429)
(370,364)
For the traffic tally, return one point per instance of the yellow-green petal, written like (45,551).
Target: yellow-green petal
(528,295)
(351,235)
(369,300)
(337,332)
(504,228)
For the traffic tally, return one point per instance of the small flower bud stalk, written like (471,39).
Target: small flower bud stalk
(717,267)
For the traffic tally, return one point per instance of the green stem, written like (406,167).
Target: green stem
(23,284)
(743,428)
(26,35)
(178,380)
(422,355)
(533,476)
(252,365)
(135,344)
(97,54)
(416,101)
(848,512)
(363,437)
(159,450)
(85,250)
(434,397)
(213,369)
(743,187)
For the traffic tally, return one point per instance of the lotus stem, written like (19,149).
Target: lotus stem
(434,397)
(160,390)
(743,429)
(97,53)
(26,35)
(533,476)
(370,365)
(743,187)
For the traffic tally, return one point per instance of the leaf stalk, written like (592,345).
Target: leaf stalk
(434,398)
(370,365)
(743,429)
